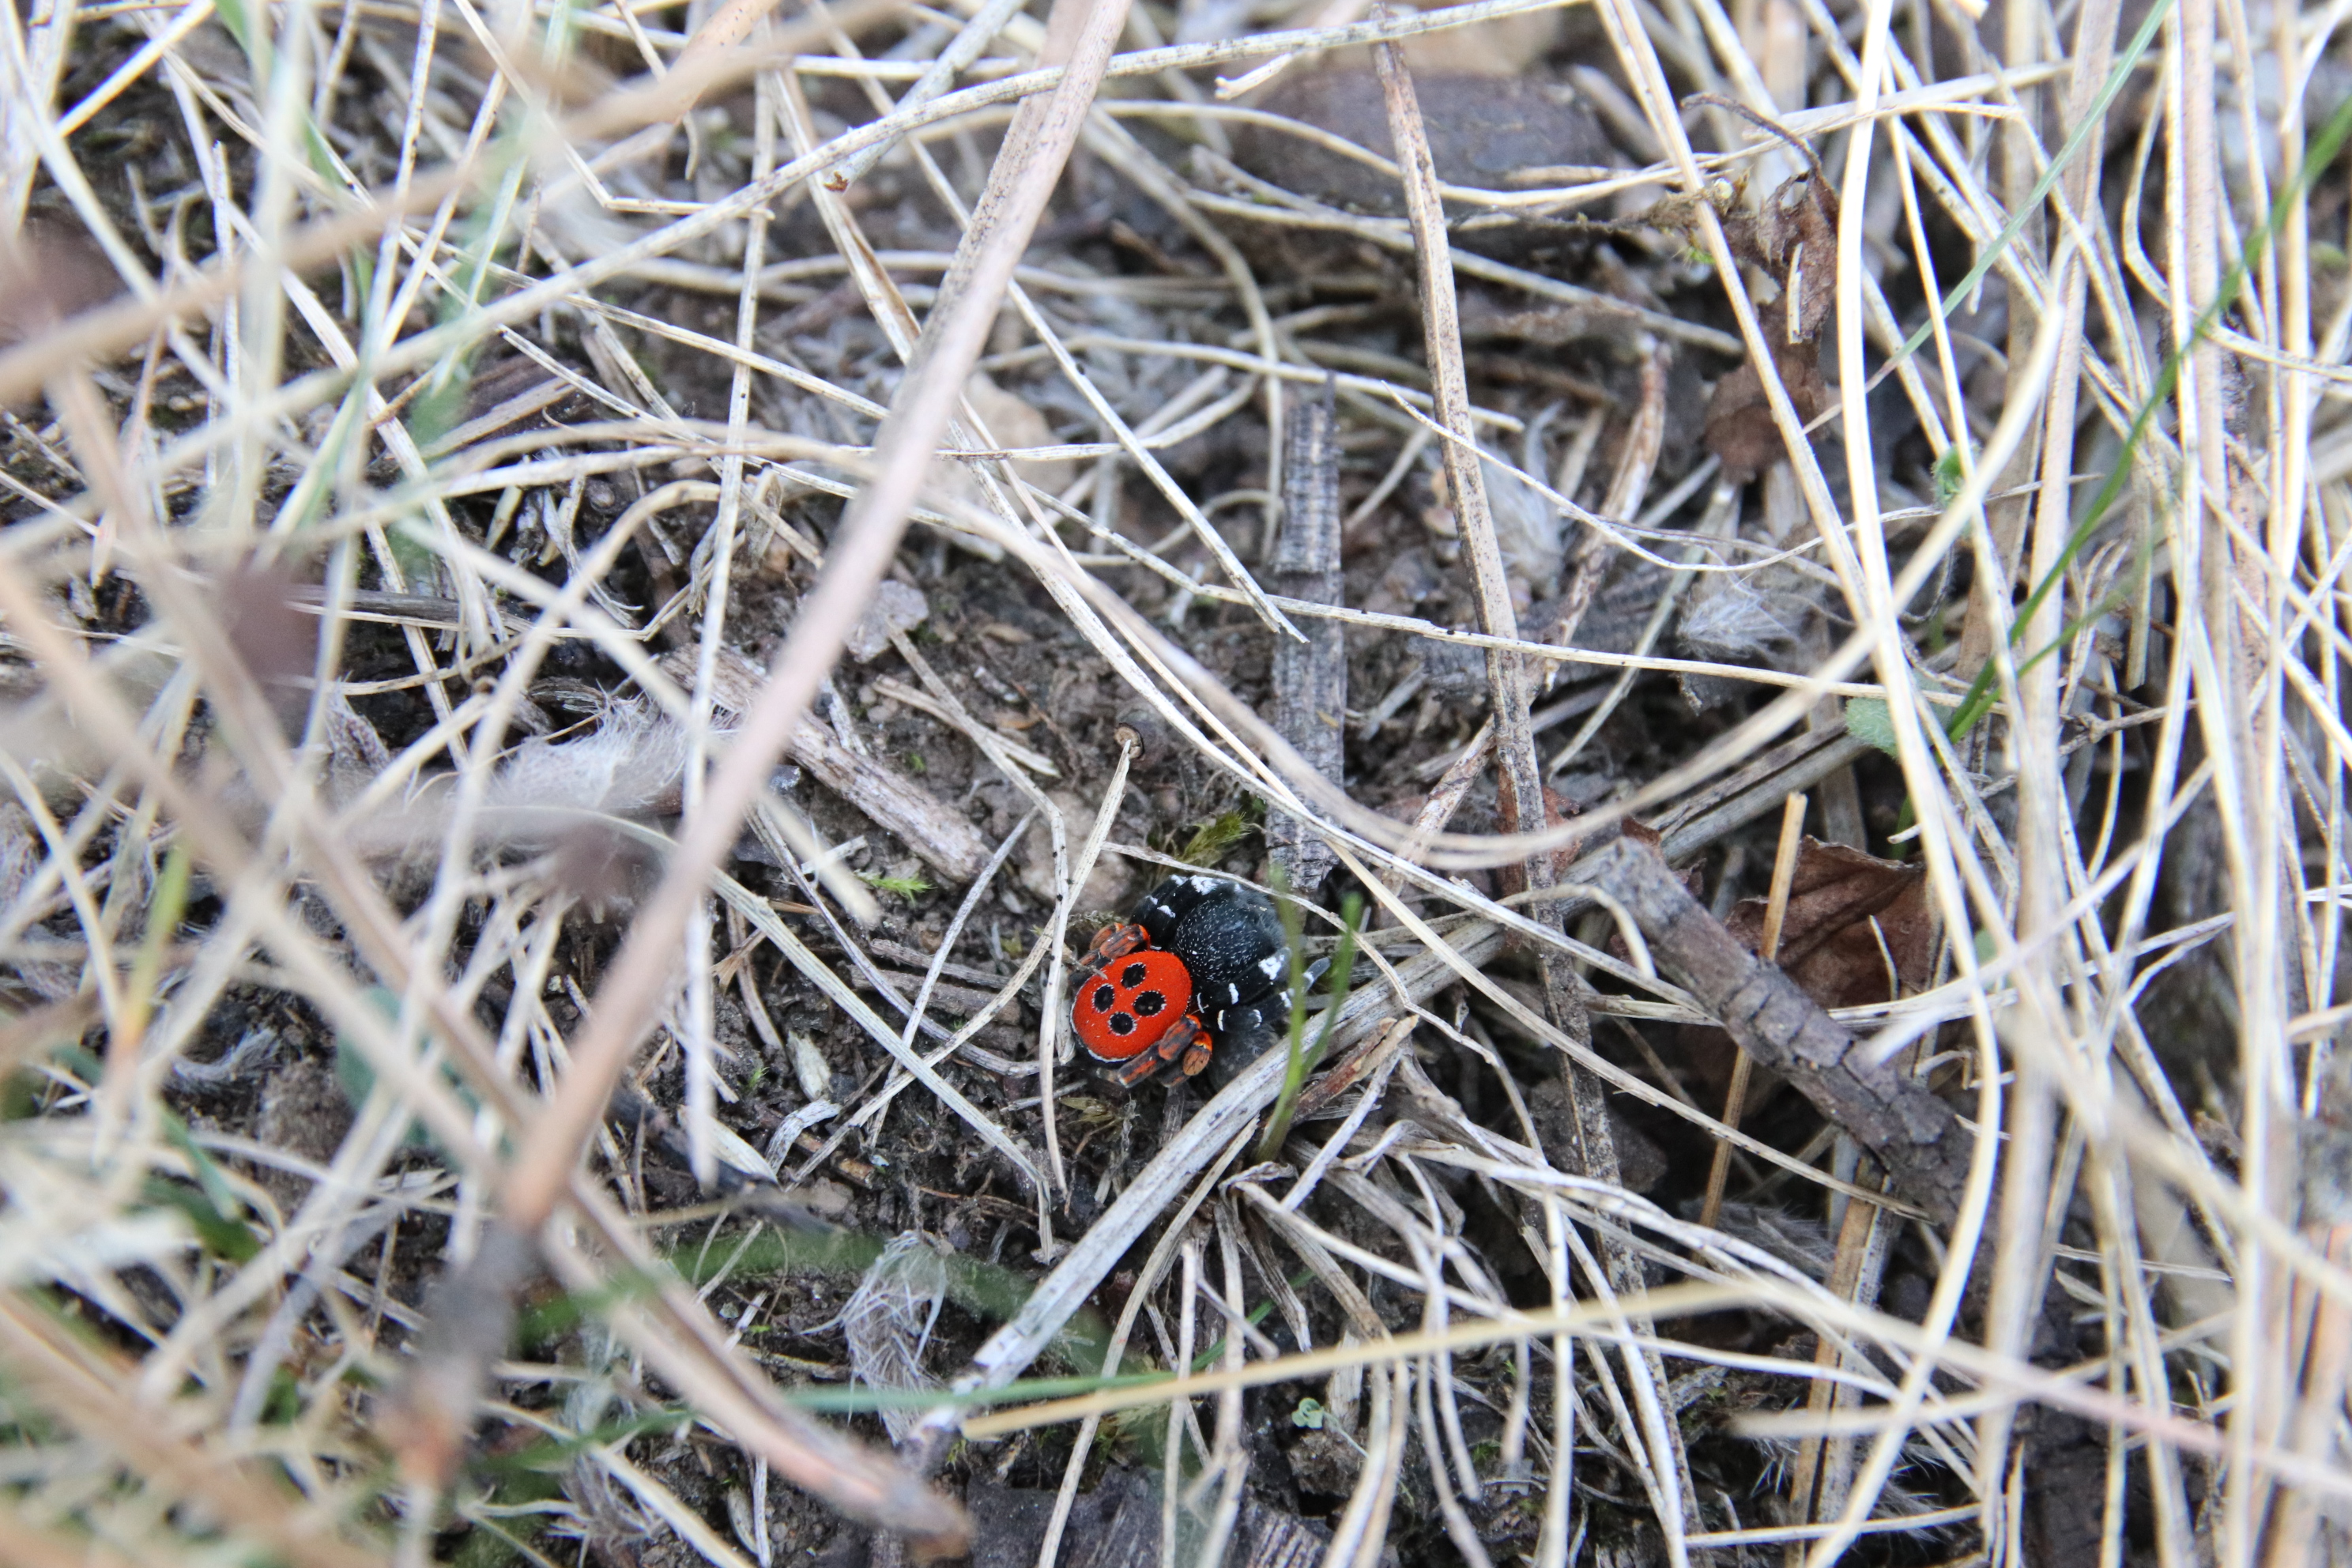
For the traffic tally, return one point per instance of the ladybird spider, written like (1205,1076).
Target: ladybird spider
(1200,971)
(1133,1007)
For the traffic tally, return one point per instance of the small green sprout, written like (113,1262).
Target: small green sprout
(1950,474)
(1212,839)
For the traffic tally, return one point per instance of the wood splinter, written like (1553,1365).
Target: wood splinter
(1916,1136)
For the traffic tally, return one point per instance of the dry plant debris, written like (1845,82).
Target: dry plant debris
(601,597)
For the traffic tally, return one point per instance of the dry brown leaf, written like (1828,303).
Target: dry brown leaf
(1740,431)
(1798,232)
(1792,235)
(1842,905)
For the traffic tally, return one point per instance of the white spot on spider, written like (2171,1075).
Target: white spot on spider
(1233,993)
(1272,965)
(1205,884)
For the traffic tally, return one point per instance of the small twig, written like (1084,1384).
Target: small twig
(938,834)
(1915,1135)
(1438,807)
(936,77)
(1764,122)
(1854,1272)
(1784,875)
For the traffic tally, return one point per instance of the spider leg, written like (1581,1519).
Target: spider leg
(1187,1046)
(1116,941)
(1137,1073)
(1184,1047)
(1110,944)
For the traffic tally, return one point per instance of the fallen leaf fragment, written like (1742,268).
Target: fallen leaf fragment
(1842,906)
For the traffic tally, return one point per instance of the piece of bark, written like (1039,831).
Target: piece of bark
(1310,677)
(952,1000)
(1916,1136)
(1481,130)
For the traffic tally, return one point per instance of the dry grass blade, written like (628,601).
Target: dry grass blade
(1506,674)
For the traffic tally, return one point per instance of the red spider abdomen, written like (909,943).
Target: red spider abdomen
(1122,1012)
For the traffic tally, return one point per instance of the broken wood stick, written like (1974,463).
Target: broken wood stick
(1310,672)
(1916,1136)
(939,836)
(936,834)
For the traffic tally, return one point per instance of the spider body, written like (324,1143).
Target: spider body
(1200,962)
